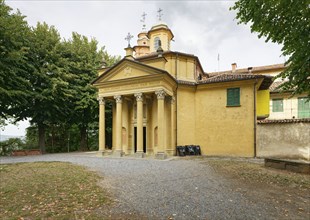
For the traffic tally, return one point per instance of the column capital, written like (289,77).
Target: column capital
(101,100)
(139,96)
(160,94)
(172,100)
(118,98)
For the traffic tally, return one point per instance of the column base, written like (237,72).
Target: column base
(118,153)
(171,152)
(161,156)
(100,153)
(140,155)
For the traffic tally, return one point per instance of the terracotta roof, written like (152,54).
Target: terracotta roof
(254,69)
(275,86)
(230,77)
(282,121)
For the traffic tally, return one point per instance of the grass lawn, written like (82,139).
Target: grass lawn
(49,190)
(256,172)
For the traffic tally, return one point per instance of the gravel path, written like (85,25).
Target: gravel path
(170,189)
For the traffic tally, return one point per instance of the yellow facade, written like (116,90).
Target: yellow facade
(164,99)
(263,97)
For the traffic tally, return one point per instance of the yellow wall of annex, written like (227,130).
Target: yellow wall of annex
(262,108)
(186,115)
(221,130)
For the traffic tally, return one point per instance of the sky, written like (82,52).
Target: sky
(207,29)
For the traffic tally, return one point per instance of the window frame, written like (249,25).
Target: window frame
(304,112)
(156,42)
(276,108)
(233,97)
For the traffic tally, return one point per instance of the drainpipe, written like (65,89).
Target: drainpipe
(176,98)
(254,93)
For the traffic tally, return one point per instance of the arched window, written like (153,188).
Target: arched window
(156,43)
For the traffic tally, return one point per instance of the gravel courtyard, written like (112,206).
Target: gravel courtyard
(181,189)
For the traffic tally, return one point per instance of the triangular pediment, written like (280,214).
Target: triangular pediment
(128,69)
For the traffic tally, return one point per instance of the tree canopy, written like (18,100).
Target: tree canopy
(286,22)
(47,79)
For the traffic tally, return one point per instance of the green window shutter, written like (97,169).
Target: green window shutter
(303,108)
(277,105)
(233,97)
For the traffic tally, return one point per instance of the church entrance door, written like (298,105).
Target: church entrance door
(144,139)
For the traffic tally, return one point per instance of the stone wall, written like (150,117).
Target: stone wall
(286,139)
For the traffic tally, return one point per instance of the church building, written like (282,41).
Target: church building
(163,98)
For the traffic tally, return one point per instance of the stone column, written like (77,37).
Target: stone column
(161,123)
(139,98)
(173,125)
(101,126)
(118,147)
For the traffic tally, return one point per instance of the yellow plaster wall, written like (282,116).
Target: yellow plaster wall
(185,115)
(113,126)
(262,108)
(221,130)
(154,123)
(170,65)
(168,126)
(157,63)
(125,127)
(164,37)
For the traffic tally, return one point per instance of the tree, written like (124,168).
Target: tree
(14,66)
(49,81)
(84,59)
(285,22)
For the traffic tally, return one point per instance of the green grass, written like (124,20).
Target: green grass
(49,190)
(254,172)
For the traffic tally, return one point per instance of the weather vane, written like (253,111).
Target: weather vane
(143,20)
(159,14)
(128,38)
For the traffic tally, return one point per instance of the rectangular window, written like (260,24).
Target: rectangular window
(277,105)
(303,108)
(233,97)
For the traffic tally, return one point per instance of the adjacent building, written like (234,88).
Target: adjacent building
(283,105)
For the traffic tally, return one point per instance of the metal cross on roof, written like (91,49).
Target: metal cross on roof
(143,20)
(128,38)
(160,14)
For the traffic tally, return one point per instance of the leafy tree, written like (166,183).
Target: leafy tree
(286,22)
(14,66)
(49,81)
(84,59)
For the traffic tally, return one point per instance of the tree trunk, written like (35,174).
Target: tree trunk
(41,128)
(83,143)
(53,136)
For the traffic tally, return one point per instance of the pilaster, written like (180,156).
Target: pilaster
(161,125)
(118,148)
(101,126)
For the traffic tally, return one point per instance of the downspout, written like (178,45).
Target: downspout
(176,99)
(254,93)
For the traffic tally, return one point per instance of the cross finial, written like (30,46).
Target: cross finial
(128,38)
(160,14)
(143,20)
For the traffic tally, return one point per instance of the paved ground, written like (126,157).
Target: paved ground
(173,189)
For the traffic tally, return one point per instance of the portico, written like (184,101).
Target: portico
(143,110)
